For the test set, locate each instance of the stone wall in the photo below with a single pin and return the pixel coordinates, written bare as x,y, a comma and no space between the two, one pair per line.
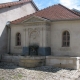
11,59
24,61
31,61
63,62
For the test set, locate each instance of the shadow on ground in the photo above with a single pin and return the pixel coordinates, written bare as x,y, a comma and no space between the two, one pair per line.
42,68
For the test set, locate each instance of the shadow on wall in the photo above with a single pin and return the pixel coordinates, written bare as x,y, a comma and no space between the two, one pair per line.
3,41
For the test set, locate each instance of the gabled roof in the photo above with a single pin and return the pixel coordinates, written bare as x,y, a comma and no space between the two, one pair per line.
35,19
9,4
55,12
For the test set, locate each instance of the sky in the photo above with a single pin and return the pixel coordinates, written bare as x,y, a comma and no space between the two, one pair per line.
41,4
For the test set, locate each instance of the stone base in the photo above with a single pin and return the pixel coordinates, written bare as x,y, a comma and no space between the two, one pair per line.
11,59
25,61
36,61
63,62
31,62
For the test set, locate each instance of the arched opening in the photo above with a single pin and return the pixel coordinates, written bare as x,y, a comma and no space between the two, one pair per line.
65,39
18,39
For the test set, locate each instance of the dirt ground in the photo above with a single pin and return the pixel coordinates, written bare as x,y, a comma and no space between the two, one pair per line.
9,71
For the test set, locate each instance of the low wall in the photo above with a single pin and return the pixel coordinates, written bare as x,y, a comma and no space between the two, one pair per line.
32,61
64,62
11,59
25,61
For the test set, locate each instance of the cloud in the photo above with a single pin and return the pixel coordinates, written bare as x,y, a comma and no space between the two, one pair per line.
71,3
40,6
4,1
45,3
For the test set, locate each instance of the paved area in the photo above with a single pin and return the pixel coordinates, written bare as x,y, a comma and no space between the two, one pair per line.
9,71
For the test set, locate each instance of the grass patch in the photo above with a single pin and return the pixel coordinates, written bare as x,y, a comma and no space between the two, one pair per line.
18,76
2,78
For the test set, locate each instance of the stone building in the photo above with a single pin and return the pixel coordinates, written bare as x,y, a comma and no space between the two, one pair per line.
9,12
51,34
55,30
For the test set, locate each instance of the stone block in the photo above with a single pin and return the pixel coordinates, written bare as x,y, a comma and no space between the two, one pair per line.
64,62
32,61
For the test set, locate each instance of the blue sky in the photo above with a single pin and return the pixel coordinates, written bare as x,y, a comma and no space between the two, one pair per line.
45,3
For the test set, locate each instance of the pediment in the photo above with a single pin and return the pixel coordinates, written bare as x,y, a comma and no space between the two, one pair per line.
34,19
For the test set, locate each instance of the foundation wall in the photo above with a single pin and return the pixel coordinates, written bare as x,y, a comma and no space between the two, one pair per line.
25,61
63,62
31,61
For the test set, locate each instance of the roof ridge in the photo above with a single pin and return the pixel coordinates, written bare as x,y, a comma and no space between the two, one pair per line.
69,10
9,4
14,2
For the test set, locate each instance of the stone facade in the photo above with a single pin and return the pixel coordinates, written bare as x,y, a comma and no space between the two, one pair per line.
57,28
32,33
48,35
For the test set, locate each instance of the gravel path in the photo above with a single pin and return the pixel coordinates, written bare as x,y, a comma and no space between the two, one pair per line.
9,71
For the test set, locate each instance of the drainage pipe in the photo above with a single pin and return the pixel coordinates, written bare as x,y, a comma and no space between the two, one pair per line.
9,37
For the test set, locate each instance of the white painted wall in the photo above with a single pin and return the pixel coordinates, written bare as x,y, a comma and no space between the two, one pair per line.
56,38
50,37
10,14
13,48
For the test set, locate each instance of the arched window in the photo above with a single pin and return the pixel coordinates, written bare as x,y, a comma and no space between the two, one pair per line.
65,39
18,39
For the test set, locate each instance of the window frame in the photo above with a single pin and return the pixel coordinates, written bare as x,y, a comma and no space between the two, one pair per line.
66,39
18,39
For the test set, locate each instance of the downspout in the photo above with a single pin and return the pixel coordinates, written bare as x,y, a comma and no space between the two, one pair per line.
9,37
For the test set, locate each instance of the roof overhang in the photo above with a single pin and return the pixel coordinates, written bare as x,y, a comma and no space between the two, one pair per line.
35,5
32,19
65,19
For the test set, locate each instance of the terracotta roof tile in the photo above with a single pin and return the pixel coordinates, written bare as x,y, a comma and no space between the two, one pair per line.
55,12
9,4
